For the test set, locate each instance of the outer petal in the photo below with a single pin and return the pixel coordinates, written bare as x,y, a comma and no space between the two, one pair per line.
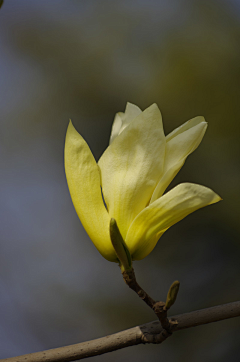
131,167
83,179
122,120
180,144
184,127
163,213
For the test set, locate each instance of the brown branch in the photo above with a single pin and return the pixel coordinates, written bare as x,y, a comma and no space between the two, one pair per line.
130,279
159,308
147,333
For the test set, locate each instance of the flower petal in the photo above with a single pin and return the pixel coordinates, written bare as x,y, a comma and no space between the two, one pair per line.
122,120
163,213
185,126
180,144
83,179
131,167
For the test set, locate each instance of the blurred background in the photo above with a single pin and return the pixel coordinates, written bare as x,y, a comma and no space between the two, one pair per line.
84,60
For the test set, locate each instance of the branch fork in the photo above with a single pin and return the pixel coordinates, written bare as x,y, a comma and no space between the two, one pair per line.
159,308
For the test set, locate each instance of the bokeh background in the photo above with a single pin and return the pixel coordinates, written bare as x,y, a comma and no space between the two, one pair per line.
84,60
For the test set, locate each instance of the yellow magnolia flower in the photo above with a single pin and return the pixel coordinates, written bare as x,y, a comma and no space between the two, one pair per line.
131,176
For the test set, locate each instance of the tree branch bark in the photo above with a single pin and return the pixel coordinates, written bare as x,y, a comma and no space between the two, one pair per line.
146,333
159,308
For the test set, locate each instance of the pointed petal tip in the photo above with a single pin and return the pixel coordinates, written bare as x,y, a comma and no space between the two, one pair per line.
216,197
132,109
154,105
70,125
201,119
130,104
71,134
134,105
153,111
205,123
197,120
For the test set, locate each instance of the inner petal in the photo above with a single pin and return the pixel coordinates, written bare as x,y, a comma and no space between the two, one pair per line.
131,167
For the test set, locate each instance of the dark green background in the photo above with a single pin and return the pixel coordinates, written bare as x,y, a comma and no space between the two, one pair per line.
84,60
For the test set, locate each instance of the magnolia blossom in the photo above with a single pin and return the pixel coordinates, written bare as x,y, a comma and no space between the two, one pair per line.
129,180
